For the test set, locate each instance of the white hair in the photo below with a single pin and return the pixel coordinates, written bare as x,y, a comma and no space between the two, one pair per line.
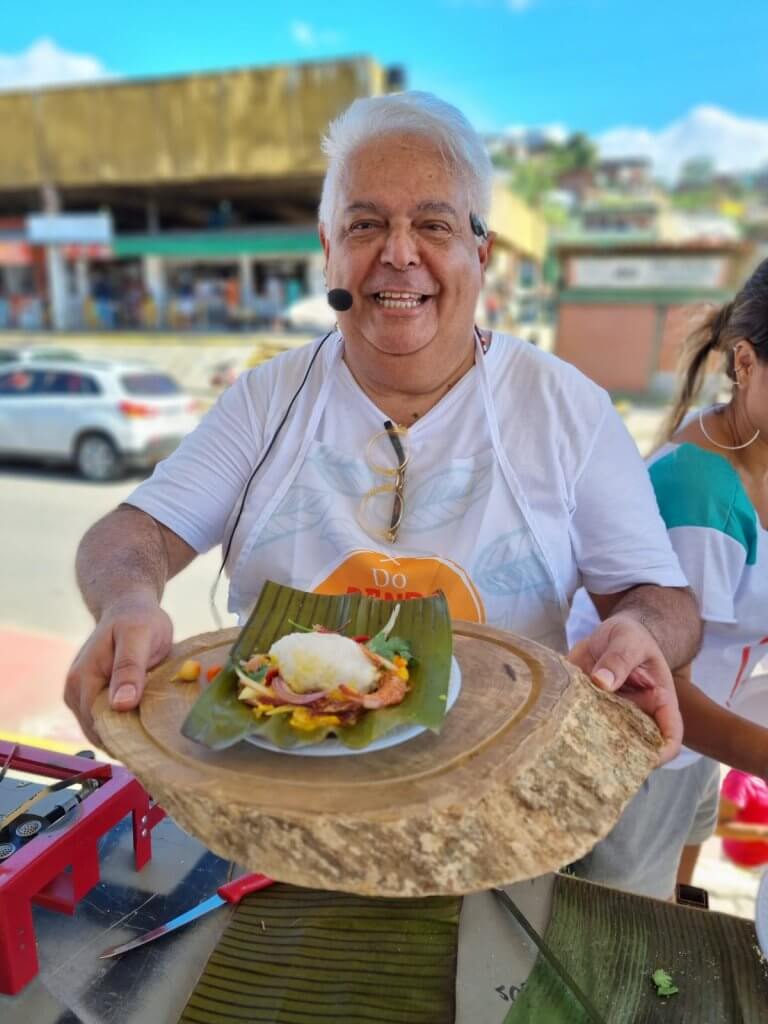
418,113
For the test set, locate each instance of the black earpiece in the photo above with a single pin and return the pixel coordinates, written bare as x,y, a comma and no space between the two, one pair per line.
479,227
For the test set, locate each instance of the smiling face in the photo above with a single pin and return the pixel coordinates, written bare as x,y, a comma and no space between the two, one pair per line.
402,244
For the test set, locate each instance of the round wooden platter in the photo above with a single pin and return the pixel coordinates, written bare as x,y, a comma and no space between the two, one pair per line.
532,767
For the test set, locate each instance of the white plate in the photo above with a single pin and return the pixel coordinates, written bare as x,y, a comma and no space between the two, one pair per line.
761,914
334,748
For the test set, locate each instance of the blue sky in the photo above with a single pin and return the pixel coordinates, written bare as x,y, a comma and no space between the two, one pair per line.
591,64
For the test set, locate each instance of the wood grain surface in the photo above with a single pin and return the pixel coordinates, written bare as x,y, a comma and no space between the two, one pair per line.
532,767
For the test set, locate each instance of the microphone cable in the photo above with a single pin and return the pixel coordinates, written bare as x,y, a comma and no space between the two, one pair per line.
281,424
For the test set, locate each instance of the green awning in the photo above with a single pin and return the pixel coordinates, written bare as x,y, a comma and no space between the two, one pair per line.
298,242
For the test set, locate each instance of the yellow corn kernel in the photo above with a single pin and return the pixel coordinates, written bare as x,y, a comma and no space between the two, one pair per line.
305,721
267,710
189,672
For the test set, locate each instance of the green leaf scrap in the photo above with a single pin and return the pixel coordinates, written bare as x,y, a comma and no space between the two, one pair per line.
663,981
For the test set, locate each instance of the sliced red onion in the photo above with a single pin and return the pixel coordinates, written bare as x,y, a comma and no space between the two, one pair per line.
285,693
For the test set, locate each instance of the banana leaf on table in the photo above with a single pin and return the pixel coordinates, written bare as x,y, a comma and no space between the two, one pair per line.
612,942
218,719
301,956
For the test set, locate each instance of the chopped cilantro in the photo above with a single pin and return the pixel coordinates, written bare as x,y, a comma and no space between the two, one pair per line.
663,981
390,647
257,676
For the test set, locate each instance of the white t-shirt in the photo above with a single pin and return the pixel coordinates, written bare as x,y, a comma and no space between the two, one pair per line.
723,551
588,498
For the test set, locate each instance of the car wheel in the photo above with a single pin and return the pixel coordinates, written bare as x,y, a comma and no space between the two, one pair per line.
97,459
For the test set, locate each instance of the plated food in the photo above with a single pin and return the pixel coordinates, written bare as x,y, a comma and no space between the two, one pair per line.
320,679
308,669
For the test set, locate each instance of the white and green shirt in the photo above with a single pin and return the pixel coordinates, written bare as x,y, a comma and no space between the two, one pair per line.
723,551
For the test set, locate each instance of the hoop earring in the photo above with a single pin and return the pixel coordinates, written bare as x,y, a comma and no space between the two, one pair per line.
727,447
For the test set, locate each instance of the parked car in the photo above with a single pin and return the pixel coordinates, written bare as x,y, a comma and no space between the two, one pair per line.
310,314
103,417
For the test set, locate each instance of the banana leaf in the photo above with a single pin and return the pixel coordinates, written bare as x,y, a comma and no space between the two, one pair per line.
218,719
299,956
612,942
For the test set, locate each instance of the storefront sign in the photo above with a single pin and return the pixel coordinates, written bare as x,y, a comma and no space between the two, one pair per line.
87,252
622,272
69,229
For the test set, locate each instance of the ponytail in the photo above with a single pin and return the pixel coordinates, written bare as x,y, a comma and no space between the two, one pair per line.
707,338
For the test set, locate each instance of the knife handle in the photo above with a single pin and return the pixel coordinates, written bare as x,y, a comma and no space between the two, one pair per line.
234,891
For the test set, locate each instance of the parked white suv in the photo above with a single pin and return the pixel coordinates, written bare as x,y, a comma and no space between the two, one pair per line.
105,417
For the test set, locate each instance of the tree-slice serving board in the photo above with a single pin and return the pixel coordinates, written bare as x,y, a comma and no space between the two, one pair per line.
533,766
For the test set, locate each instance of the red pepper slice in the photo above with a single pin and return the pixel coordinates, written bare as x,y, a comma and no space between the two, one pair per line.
362,639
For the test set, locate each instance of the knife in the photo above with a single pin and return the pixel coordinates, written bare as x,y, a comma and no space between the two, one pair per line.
565,977
232,892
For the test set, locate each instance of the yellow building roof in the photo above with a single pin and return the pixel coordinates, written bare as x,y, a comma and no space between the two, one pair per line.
253,123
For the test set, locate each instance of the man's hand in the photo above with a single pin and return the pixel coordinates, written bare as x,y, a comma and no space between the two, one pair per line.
623,657
132,635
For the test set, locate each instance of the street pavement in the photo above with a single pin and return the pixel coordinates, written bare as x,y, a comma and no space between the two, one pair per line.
43,621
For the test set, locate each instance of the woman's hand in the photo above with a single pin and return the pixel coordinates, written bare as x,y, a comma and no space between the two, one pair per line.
622,656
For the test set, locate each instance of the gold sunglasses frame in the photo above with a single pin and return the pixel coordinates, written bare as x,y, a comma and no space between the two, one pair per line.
397,486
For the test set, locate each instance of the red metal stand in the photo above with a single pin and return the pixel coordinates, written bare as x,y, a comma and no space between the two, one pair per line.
56,869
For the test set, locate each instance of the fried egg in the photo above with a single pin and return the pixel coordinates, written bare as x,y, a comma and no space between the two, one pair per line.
321,661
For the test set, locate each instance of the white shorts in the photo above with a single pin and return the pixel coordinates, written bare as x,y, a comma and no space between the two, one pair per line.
672,809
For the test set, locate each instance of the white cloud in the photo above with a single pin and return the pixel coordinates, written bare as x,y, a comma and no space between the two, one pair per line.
45,63
733,143
308,36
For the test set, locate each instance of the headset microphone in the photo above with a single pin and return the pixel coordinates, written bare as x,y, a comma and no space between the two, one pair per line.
340,299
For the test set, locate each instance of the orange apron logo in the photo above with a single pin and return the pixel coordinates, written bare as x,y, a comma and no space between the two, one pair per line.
397,579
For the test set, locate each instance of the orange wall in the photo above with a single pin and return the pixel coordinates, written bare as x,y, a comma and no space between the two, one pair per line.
614,345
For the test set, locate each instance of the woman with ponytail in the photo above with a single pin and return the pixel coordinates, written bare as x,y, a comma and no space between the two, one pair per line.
710,476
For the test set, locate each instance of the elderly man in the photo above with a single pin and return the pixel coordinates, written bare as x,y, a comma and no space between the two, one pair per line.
404,452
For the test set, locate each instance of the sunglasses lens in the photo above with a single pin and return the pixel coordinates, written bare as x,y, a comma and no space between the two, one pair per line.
383,456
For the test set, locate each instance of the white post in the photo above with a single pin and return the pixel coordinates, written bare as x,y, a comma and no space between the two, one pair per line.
153,272
246,281
82,289
316,274
57,284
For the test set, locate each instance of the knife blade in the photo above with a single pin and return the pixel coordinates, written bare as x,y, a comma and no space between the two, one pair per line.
568,980
232,892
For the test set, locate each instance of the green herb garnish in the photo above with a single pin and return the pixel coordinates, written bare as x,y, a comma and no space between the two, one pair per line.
257,676
663,981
